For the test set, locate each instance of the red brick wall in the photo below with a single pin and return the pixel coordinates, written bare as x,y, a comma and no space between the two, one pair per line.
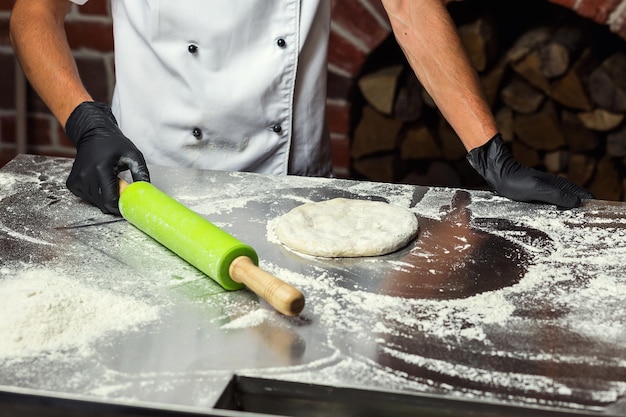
7,82
358,27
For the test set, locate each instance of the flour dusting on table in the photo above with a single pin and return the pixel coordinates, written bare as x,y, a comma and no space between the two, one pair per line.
553,336
50,312
473,320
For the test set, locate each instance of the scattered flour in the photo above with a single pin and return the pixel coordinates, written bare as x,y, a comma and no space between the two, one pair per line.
252,319
8,180
583,272
50,312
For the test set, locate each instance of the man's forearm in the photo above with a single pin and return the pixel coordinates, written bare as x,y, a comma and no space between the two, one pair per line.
39,40
428,37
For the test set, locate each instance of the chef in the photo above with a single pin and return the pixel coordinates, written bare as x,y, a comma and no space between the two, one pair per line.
240,85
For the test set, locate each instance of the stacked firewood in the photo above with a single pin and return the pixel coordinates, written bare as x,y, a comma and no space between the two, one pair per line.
559,103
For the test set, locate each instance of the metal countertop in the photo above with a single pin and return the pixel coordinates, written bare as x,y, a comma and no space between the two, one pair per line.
495,302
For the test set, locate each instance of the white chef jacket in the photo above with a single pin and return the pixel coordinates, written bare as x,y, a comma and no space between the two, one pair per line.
236,85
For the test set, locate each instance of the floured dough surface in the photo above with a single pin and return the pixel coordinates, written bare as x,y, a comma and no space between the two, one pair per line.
346,228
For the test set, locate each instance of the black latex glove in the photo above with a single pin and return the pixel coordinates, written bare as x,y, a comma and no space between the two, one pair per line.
102,152
510,179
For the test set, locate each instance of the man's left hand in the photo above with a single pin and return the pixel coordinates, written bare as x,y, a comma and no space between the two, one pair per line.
510,179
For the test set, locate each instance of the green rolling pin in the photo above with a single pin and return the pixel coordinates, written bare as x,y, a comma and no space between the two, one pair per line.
219,255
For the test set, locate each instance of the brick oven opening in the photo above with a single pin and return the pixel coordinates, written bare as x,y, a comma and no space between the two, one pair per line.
556,82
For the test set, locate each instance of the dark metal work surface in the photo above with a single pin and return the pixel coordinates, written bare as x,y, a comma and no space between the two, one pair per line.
495,303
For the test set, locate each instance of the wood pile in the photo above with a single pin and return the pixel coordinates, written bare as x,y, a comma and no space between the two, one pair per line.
559,104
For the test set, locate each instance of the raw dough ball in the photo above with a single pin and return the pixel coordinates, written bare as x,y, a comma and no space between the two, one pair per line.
346,228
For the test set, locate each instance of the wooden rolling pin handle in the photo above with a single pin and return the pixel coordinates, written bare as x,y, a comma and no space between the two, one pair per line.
280,295
123,184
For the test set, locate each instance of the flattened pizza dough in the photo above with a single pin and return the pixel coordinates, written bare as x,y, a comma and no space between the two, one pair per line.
346,228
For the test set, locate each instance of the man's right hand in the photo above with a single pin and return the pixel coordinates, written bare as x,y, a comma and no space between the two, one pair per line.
102,152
